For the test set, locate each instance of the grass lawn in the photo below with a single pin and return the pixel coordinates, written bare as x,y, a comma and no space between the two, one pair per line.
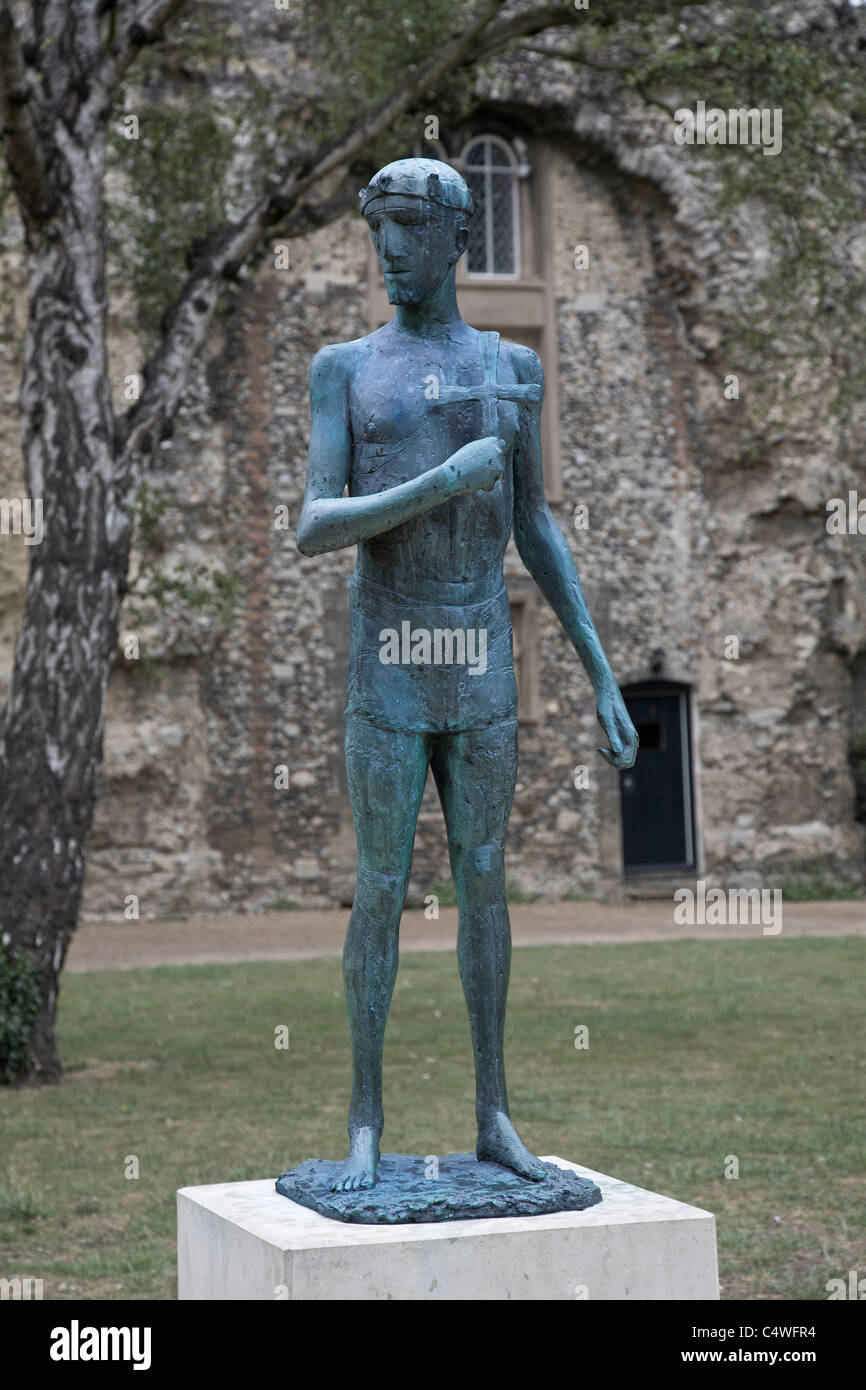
698,1051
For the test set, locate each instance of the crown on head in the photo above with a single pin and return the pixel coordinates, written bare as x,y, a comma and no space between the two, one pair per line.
420,178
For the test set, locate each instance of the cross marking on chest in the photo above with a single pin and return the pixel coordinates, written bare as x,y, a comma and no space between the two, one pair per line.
489,391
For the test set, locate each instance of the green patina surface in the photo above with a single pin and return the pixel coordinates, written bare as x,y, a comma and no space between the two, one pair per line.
426,454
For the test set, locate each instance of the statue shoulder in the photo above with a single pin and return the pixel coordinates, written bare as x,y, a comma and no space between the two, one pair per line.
525,363
333,365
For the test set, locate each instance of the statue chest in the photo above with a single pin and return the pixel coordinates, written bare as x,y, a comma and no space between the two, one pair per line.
405,420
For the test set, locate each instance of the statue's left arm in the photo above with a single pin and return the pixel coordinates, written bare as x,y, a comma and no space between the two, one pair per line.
545,552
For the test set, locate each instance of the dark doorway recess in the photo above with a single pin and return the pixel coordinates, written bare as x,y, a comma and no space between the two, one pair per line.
658,825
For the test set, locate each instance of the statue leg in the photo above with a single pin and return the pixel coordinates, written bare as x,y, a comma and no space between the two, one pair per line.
475,774
387,772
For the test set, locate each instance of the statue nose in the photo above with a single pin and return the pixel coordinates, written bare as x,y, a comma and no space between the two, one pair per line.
390,238
391,258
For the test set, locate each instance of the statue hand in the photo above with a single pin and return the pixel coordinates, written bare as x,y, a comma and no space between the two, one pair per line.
478,466
621,733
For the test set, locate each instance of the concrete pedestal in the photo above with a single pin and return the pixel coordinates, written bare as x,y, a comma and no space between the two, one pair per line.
242,1240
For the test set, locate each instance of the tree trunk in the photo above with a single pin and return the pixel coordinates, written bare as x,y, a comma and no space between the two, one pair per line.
52,725
55,98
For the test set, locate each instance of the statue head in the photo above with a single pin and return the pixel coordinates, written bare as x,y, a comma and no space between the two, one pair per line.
418,212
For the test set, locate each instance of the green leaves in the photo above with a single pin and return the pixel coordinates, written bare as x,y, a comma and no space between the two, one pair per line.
201,588
810,304
199,156
362,49
19,1006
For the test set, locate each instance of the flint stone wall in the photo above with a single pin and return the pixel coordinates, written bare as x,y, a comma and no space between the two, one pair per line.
697,531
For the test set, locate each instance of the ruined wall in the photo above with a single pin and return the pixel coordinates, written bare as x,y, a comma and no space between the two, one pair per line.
699,530
677,556
271,690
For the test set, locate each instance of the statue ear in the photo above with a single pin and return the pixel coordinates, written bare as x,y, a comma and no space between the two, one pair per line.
461,239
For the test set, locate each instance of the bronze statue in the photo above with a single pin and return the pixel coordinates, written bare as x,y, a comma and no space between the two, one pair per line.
435,430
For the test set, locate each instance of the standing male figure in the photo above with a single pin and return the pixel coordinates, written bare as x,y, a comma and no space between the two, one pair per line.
432,499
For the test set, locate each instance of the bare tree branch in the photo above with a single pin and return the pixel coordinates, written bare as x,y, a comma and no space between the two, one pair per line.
234,245
451,55
532,21
577,56
147,25
310,216
25,154
540,18
580,58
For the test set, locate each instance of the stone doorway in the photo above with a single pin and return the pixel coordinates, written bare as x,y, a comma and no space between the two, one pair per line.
658,824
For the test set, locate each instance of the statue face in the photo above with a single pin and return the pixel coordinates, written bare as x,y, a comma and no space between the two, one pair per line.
417,243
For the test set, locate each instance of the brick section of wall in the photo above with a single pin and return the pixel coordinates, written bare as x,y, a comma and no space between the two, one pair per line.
259,527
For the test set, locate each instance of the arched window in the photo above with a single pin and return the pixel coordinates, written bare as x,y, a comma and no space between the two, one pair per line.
490,168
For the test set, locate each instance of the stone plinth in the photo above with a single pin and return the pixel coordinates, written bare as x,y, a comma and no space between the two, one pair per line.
243,1240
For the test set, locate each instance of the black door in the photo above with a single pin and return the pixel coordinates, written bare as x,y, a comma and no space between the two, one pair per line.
657,818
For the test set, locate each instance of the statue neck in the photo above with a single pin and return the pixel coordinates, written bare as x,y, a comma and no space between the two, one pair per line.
435,314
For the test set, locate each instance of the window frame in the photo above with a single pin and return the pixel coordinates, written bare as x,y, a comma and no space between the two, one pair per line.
524,627
514,175
523,307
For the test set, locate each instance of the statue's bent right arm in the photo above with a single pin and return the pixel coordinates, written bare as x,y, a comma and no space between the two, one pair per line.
330,521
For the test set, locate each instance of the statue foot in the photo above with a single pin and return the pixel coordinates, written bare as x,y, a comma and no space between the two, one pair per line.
499,1142
360,1167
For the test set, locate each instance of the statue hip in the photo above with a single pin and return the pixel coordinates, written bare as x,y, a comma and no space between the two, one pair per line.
421,667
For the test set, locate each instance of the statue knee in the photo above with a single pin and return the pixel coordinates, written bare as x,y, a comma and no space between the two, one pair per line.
479,875
381,895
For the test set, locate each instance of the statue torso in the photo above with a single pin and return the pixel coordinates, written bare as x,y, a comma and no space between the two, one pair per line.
452,553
